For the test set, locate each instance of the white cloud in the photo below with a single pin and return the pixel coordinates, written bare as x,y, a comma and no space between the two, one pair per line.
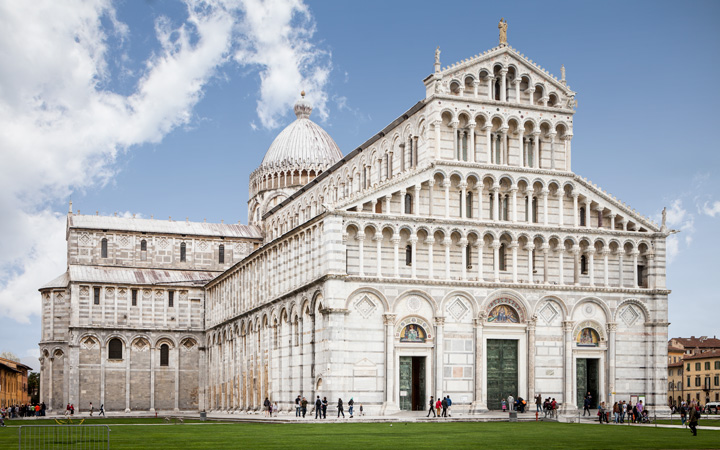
679,219
276,38
711,209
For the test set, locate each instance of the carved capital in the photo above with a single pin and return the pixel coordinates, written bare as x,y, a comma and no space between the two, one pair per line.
389,319
439,321
612,327
568,325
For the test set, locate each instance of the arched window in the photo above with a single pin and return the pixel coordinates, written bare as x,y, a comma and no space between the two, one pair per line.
469,205
460,203
408,255
221,254
530,153
497,148
492,207
115,349
468,256
582,216
143,245
497,88
583,264
505,200
408,204
103,248
183,252
502,263
464,145
164,355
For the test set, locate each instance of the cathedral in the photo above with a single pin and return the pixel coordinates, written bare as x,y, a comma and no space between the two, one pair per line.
454,253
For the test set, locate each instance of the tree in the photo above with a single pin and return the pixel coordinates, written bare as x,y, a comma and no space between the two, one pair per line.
34,387
10,355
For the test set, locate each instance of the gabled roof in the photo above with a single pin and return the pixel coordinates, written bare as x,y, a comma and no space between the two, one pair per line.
163,226
60,282
134,276
462,66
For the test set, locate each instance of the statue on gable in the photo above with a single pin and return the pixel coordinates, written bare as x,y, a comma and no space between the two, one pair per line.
437,55
572,103
503,26
439,86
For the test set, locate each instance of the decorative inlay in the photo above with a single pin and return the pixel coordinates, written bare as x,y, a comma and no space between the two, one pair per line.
84,291
508,301
629,315
147,293
548,313
141,345
458,309
122,292
365,306
203,246
89,343
413,320
84,239
109,292
163,243
413,304
588,310
124,241
188,343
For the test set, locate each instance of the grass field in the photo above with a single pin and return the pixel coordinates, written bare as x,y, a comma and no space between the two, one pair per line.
149,434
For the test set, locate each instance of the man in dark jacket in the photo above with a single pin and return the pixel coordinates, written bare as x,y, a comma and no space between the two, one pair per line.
694,417
586,405
318,408
340,408
444,406
432,407
297,406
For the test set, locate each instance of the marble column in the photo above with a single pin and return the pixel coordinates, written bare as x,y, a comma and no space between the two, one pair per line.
545,248
496,260
576,264
568,401
416,200
431,262
513,196
413,256
532,322
439,354
447,242
437,125
544,195
378,252
463,200
576,211
606,253
591,263
431,196
446,185
514,247
612,329
463,243
479,244
561,210
396,253
390,404
530,248
478,405
561,259
360,237
471,141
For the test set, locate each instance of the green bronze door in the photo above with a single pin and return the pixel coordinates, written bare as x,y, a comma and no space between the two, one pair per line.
406,383
502,371
581,378
587,376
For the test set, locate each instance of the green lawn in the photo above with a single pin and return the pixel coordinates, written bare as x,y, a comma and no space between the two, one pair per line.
365,436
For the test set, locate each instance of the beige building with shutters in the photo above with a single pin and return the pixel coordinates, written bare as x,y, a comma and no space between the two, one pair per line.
453,253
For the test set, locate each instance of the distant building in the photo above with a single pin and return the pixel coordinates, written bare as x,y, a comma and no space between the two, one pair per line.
693,370
13,383
455,252
693,345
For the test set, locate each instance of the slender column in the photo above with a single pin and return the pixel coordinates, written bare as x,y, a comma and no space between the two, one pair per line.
471,142
446,185
605,253
599,211
612,329
490,81
177,381
478,403
623,224
360,237
519,133
496,260
437,125
456,142
488,130
528,204
531,91
524,146
396,241
568,153
591,262
447,242
503,85
413,257
568,401
480,200
576,264
561,210
531,354
439,353
378,252
516,82
479,245
587,213
536,149
463,200
431,196
544,195
389,321
576,222
612,221
514,247
431,263
561,260
127,380
152,377
373,205
552,149
463,243
530,249
403,193
635,254
496,202
476,84
513,196
621,264
388,198
503,146
416,200
545,248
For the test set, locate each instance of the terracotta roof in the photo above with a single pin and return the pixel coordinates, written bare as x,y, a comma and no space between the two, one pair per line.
677,364
706,355
701,342
14,365
675,349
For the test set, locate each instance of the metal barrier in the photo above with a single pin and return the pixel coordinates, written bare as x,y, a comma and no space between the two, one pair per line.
61,437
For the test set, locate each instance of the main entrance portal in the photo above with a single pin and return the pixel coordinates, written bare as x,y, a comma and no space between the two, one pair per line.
587,381
502,371
412,383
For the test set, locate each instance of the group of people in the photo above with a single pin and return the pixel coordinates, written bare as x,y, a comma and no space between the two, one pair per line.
321,405
441,406
22,411
549,406
511,404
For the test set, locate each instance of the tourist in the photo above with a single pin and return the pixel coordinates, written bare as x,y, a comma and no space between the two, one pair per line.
102,410
297,406
361,410
623,411
91,409
635,416
303,406
553,408
683,412
640,409
630,411
318,408
324,407
694,417
449,404
351,404
340,408
601,411
538,403
511,402
504,405
444,407
432,407
438,405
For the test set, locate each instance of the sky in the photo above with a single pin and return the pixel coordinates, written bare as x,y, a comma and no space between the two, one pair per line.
162,109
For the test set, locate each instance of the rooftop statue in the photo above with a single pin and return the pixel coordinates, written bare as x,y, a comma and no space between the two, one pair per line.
502,26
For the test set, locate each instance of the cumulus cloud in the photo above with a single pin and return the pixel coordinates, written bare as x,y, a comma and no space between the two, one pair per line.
712,209
679,219
63,126
276,38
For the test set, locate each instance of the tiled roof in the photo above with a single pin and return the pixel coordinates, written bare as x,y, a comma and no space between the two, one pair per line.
163,226
701,342
59,282
705,355
132,276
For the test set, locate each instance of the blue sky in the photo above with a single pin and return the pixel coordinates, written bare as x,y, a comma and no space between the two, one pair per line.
163,108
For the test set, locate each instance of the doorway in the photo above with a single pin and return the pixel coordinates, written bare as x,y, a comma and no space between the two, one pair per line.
588,376
502,371
412,383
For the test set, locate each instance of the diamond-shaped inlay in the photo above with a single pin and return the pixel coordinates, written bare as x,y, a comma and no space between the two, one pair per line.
163,243
458,309
548,313
365,306
84,239
124,241
414,304
629,315
203,246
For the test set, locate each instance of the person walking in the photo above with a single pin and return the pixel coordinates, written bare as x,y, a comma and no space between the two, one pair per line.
303,406
102,410
438,406
432,407
538,403
586,405
275,409
324,407
340,408
361,410
267,407
297,406
694,417
449,402
318,408
351,404
444,407
601,412
91,409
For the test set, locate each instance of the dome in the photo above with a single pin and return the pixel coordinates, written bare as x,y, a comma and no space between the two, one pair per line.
302,144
